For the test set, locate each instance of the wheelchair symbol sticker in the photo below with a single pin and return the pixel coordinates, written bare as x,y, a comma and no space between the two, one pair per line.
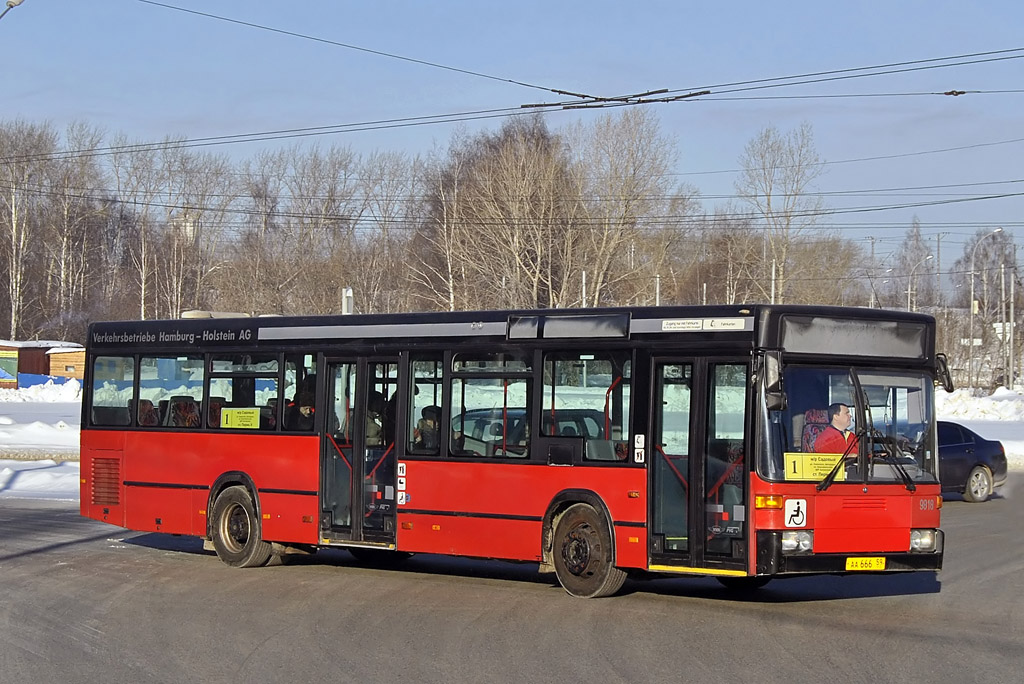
796,512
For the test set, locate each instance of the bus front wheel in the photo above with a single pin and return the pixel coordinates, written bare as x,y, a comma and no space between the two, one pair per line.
583,554
236,530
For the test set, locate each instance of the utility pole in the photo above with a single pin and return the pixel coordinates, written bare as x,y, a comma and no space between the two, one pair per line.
1013,322
970,341
1002,311
871,275
939,299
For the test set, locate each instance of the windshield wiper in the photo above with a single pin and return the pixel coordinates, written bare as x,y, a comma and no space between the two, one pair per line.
826,482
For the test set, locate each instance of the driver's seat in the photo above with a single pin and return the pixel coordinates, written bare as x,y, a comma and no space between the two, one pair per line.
815,422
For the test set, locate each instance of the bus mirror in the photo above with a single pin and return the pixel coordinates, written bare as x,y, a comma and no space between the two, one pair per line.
773,392
942,375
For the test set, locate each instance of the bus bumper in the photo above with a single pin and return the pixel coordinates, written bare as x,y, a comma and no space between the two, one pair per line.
771,560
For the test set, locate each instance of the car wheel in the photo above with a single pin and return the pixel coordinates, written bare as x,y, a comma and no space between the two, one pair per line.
979,485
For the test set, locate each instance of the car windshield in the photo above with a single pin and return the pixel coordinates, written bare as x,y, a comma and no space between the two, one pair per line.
844,424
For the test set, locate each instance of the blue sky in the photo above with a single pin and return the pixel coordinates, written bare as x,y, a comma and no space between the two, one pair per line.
148,71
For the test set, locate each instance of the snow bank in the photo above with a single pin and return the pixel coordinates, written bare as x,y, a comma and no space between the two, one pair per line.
40,480
46,393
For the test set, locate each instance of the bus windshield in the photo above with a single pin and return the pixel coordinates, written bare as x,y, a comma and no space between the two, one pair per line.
844,424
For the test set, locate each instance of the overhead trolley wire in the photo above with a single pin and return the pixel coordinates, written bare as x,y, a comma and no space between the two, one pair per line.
349,46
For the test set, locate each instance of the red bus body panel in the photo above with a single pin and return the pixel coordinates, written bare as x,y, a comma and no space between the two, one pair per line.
488,510
496,510
165,484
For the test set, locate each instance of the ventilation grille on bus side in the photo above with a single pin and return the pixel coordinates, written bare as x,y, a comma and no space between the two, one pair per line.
106,481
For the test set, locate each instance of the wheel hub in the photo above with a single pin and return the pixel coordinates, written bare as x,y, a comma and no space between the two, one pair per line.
238,526
576,550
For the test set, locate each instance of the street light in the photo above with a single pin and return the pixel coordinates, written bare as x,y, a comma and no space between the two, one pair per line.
10,4
970,341
910,282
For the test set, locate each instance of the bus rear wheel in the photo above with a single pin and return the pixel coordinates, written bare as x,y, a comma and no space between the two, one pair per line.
236,530
583,554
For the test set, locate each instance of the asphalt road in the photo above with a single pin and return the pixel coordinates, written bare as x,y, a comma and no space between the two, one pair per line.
81,601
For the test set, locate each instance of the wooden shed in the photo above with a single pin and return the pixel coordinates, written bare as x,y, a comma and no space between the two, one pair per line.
67,362
29,357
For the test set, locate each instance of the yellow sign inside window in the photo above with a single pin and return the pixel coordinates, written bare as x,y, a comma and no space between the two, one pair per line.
801,466
240,418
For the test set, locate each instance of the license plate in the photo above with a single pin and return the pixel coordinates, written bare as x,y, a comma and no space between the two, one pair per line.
865,563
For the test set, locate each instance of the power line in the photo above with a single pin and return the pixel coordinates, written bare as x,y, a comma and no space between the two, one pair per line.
459,117
858,96
712,91
348,46
718,87
899,191
650,220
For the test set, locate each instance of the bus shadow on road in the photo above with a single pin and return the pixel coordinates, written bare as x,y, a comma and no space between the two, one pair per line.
799,589
788,590
168,542
425,564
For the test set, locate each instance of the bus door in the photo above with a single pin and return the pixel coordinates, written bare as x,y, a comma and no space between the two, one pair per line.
359,450
698,486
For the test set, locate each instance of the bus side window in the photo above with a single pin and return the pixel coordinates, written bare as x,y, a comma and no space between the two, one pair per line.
424,410
588,396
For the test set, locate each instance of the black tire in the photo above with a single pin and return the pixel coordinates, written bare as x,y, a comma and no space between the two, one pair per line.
979,485
236,530
379,558
743,584
583,554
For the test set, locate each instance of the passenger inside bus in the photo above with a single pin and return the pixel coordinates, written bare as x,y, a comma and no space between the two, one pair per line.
426,435
299,414
374,419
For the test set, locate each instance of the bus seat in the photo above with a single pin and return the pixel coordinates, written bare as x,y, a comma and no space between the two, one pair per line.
148,415
183,411
600,450
815,422
215,405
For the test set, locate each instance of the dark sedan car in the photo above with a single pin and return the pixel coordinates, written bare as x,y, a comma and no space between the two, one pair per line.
969,463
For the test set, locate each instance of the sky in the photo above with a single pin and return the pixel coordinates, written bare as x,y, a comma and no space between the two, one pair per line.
44,421
146,70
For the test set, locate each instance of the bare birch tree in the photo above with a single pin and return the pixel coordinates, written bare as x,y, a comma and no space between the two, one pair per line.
435,260
630,196
25,150
73,213
137,185
777,173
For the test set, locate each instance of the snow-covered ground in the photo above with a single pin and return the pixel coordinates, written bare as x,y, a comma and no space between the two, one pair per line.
39,429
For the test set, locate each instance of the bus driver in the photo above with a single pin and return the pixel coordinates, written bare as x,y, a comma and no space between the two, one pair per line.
837,437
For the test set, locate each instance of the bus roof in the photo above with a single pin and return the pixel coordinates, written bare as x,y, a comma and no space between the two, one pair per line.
811,329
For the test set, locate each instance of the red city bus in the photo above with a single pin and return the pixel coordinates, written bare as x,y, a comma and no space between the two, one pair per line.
667,440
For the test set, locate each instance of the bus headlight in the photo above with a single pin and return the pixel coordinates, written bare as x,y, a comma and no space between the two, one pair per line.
922,540
798,541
